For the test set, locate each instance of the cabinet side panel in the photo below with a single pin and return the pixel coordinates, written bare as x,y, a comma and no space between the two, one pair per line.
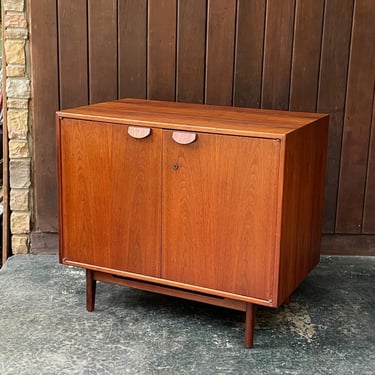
303,191
219,213
110,197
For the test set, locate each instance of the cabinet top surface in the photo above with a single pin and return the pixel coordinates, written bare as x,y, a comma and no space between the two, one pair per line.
195,117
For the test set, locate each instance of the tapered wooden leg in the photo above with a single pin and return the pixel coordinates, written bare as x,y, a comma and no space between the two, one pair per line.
90,290
249,324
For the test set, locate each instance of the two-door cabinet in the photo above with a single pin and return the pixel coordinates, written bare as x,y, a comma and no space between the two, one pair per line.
215,204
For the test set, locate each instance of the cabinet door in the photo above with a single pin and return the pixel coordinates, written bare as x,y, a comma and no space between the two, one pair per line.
110,196
219,213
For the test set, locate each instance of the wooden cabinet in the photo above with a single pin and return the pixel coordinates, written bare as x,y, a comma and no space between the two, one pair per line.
214,204
110,197
218,209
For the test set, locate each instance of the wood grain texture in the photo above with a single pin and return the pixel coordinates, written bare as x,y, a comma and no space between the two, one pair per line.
302,205
171,291
132,45
247,24
277,54
306,55
102,33
357,123
168,283
220,51
331,95
231,216
195,117
73,53
191,46
44,243
249,53
45,88
161,65
249,325
184,138
348,244
139,132
90,290
218,213
105,219
369,207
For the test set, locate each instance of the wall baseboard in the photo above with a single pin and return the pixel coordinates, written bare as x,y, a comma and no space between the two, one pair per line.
44,243
332,244
347,244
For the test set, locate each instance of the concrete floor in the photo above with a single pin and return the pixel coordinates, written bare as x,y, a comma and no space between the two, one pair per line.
44,328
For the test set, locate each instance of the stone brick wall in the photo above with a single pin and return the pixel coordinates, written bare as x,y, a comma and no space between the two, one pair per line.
18,121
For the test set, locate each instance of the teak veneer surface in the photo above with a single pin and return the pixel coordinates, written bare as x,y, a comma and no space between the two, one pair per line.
198,117
204,202
220,202
98,195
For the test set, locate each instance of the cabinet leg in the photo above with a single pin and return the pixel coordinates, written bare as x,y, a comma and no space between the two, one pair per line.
249,324
90,290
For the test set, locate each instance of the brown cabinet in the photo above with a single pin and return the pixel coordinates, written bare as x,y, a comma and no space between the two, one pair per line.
213,233
110,197
215,204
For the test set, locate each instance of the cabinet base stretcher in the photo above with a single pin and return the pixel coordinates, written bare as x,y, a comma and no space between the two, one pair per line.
247,307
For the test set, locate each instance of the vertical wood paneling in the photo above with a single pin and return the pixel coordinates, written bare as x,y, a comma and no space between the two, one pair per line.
290,54
162,49
306,55
220,51
72,24
369,207
191,44
249,53
358,115
132,24
331,96
45,87
102,50
277,54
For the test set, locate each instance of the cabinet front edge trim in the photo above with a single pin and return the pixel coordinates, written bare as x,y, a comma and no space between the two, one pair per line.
171,283
276,134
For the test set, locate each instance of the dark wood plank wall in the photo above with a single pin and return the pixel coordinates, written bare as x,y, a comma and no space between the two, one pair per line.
191,51
73,52
45,101
357,121
332,81
132,48
304,55
249,53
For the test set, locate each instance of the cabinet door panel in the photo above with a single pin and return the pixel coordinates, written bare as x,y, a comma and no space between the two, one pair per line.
110,189
219,213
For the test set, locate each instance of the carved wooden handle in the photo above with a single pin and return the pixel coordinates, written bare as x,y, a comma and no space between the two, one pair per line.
138,132
184,138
